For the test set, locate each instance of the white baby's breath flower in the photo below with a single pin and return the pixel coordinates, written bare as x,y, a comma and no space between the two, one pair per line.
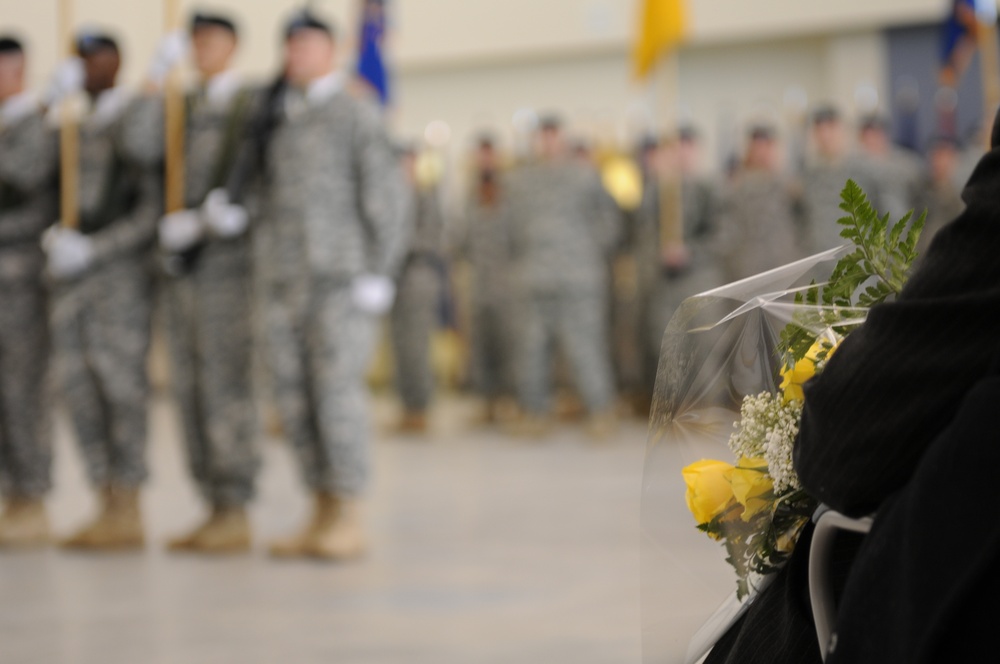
767,429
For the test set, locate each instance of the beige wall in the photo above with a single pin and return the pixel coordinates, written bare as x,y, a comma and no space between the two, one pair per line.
491,29
462,33
475,62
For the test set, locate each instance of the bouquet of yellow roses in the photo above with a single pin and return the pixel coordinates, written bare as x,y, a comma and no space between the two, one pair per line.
729,397
755,506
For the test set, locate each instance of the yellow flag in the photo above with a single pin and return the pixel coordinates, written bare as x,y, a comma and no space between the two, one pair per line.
662,24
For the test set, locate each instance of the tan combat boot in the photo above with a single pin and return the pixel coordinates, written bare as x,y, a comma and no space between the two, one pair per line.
226,531
530,425
603,425
486,415
118,526
24,523
333,533
413,422
342,537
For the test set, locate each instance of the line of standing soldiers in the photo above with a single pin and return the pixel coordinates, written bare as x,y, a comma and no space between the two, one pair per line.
295,222
759,217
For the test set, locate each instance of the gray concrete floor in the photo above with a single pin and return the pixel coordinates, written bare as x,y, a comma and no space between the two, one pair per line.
486,550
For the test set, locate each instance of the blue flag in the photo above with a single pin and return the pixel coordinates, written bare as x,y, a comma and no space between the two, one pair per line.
958,27
371,64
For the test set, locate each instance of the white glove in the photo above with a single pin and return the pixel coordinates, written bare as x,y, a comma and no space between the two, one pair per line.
14,109
224,219
172,49
67,80
373,293
180,230
69,252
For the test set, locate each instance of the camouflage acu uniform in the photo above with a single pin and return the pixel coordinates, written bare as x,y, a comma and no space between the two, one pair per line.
415,312
207,307
563,226
27,195
822,183
758,225
662,291
943,203
486,245
101,320
895,178
333,208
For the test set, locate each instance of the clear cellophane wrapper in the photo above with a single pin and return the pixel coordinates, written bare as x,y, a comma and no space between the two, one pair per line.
719,347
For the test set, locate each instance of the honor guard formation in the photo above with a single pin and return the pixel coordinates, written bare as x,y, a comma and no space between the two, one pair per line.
304,242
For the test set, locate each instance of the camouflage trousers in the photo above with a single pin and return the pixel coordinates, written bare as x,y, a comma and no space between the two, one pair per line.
490,349
208,323
101,328
317,347
25,423
414,318
576,321
659,300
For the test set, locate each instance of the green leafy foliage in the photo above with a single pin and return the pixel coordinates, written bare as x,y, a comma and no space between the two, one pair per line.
762,545
874,271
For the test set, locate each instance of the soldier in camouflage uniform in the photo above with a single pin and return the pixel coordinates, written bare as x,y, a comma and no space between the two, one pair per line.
103,294
485,244
27,165
206,294
416,310
894,170
563,226
824,178
936,191
670,274
329,239
759,228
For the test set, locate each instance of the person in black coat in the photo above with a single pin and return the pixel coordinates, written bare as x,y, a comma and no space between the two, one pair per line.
898,424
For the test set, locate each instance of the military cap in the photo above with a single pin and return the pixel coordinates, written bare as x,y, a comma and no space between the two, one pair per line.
874,122
204,20
826,113
647,143
485,141
687,133
550,122
943,140
405,148
10,44
89,43
762,132
307,20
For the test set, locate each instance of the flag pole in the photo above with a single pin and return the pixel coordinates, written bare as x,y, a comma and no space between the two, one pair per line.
69,136
989,56
670,187
174,119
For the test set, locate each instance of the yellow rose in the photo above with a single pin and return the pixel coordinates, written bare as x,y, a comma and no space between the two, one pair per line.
752,486
795,376
709,492
786,541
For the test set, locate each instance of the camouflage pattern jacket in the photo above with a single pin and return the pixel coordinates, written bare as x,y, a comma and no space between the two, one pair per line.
563,227
27,188
333,203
